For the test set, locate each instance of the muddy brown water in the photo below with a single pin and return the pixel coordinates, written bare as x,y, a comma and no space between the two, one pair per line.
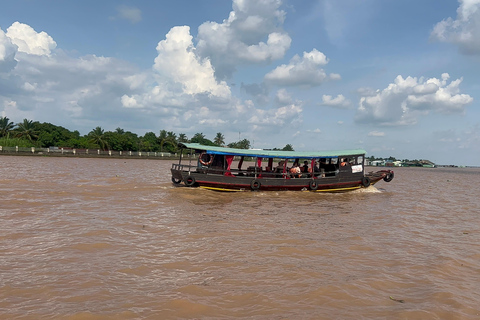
113,239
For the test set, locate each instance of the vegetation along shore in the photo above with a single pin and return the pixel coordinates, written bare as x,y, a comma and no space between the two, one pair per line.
45,139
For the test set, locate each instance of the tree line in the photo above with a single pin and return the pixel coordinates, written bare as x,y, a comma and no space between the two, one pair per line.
29,133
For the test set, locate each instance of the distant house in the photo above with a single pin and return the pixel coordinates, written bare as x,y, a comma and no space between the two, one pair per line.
389,163
376,163
427,164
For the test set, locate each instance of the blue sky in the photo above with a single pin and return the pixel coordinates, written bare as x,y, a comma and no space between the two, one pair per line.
396,78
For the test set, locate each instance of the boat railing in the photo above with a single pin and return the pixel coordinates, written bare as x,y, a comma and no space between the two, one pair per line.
249,172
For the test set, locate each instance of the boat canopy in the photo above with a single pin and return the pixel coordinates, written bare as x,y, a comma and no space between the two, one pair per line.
271,153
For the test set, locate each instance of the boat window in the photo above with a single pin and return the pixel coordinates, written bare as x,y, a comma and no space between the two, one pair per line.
334,160
360,160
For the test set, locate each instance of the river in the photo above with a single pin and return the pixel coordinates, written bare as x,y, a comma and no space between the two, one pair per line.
114,239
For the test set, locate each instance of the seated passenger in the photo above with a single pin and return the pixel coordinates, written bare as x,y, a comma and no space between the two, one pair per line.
279,168
305,166
295,172
315,168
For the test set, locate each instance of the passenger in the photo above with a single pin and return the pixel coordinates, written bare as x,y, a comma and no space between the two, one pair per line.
305,166
323,163
279,168
343,162
295,171
314,168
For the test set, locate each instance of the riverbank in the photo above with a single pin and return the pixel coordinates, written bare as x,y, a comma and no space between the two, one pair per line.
86,153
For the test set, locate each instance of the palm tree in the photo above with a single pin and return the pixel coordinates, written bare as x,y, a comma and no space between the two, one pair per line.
182,137
97,136
5,126
167,138
26,130
219,139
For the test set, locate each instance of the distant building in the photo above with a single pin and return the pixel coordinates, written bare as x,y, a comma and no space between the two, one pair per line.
376,163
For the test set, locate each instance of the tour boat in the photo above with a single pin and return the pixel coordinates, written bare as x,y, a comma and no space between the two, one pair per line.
210,167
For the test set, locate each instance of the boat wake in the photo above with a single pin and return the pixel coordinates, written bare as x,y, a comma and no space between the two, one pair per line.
370,189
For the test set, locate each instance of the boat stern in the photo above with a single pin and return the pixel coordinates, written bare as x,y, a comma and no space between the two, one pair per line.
386,175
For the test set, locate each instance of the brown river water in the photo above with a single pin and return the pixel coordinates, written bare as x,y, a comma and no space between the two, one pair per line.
113,239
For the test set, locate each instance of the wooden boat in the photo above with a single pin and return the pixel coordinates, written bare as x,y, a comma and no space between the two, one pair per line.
332,171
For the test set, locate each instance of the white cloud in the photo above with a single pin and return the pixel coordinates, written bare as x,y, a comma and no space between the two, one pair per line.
29,41
406,99
7,53
464,31
54,87
132,14
250,35
338,102
178,61
376,134
304,71
282,116
129,102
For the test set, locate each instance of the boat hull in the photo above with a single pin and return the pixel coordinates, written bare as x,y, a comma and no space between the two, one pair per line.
220,182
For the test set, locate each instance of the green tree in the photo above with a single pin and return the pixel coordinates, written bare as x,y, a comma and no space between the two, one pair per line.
97,136
26,130
182,137
5,126
200,138
219,139
149,142
242,144
288,147
52,135
167,138
121,140
78,143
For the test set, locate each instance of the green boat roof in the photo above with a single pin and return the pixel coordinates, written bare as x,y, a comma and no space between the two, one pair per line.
272,153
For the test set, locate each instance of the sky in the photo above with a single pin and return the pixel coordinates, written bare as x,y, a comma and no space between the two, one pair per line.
396,78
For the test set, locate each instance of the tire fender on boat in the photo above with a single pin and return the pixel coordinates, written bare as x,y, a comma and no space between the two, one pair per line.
176,181
313,184
366,182
388,177
255,185
189,181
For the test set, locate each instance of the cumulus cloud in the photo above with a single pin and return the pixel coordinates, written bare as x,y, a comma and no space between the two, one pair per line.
405,99
251,34
302,71
7,53
177,60
29,41
336,102
180,92
51,86
464,31
287,114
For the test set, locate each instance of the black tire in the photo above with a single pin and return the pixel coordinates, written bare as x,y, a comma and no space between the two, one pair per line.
189,181
176,181
366,182
388,177
255,185
313,184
